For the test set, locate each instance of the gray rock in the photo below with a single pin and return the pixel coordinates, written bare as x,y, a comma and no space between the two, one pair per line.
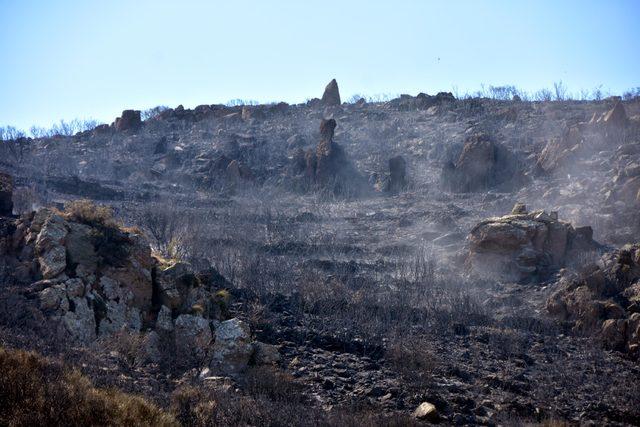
232,348
331,95
164,322
54,298
80,248
75,288
193,339
265,354
427,412
80,323
52,255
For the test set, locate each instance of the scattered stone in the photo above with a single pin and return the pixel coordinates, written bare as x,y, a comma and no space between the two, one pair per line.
426,412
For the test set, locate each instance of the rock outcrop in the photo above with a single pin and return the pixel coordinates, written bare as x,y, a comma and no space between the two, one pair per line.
90,278
130,120
328,167
526,246
331,95
604,300
482,164
560,152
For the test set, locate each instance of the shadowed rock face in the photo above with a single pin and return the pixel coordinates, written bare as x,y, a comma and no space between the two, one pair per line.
6,194
397,174
331,95
526,246
130,120
483,164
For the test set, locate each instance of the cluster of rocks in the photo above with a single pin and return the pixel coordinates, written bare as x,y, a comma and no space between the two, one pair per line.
422,101
604,299
328,167
582,139
526,246
482,164
92,279
625,185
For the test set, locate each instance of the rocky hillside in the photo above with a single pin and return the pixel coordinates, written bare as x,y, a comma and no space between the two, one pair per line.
425,259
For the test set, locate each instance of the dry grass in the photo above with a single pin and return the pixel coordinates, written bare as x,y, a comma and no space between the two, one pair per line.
87,212
37,391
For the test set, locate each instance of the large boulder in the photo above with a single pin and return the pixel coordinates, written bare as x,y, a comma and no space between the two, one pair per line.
482,164
331,95
525,246
6,194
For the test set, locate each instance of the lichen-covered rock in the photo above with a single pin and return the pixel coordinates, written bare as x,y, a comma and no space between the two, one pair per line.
232,348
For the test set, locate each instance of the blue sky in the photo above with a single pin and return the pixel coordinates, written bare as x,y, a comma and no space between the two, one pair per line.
71,58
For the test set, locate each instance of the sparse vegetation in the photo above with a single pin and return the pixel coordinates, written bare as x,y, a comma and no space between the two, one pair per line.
38,391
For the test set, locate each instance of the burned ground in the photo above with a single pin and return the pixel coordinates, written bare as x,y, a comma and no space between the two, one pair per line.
367,294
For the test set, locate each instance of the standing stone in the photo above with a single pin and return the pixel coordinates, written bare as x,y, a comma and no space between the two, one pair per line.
331,94
397,174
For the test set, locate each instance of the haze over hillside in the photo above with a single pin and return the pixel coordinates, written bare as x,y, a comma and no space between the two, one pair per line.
452,257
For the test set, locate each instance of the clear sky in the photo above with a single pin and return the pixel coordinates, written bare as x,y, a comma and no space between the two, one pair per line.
83,58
